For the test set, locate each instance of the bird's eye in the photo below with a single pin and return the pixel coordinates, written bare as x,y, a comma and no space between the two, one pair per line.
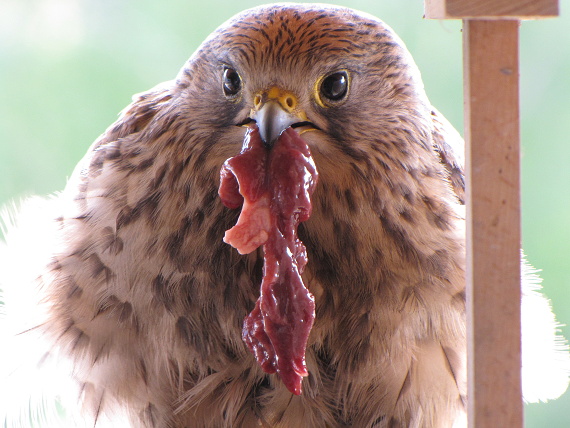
231,82
334,87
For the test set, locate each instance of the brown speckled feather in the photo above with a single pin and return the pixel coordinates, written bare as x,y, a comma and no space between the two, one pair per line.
149,301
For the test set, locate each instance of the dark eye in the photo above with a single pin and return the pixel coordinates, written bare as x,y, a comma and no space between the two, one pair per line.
231,82
335,86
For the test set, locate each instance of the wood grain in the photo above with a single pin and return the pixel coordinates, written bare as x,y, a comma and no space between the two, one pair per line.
491,9
493,222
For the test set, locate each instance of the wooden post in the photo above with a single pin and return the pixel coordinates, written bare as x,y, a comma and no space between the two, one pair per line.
491,79
493,223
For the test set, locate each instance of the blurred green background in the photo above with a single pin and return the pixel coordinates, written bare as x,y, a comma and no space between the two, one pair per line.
67,67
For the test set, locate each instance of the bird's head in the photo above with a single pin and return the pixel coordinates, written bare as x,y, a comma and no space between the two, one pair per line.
342,74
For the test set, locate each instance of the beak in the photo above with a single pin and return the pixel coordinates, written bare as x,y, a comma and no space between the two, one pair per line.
274,111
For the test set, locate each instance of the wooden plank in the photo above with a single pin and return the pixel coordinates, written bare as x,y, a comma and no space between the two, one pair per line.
493,223
491,9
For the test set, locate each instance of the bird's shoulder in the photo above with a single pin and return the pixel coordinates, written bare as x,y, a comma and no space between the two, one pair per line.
450,147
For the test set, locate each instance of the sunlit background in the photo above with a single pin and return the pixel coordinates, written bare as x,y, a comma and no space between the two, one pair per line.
67,67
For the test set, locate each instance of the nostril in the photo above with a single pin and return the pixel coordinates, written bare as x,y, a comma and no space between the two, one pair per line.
257,101
290,102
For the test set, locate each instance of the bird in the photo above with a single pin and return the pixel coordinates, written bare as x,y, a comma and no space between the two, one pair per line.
146,302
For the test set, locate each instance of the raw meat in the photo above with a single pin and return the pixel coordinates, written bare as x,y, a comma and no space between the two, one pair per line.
274,188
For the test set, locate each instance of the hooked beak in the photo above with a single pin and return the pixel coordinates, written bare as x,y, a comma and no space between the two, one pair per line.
274,111
272,120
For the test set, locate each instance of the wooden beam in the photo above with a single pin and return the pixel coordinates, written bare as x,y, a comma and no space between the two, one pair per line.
493,223
491,9
491,86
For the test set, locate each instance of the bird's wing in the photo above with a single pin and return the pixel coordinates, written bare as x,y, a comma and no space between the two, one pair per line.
36,388
450,147
27,237
138,114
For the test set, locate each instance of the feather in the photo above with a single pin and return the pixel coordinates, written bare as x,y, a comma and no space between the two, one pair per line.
545,357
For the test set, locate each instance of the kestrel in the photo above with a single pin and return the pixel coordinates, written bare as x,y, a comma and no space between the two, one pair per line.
148,302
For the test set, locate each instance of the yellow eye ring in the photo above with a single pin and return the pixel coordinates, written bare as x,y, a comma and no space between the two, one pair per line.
332,89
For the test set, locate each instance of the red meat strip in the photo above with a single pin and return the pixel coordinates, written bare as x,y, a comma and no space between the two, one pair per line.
274,187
